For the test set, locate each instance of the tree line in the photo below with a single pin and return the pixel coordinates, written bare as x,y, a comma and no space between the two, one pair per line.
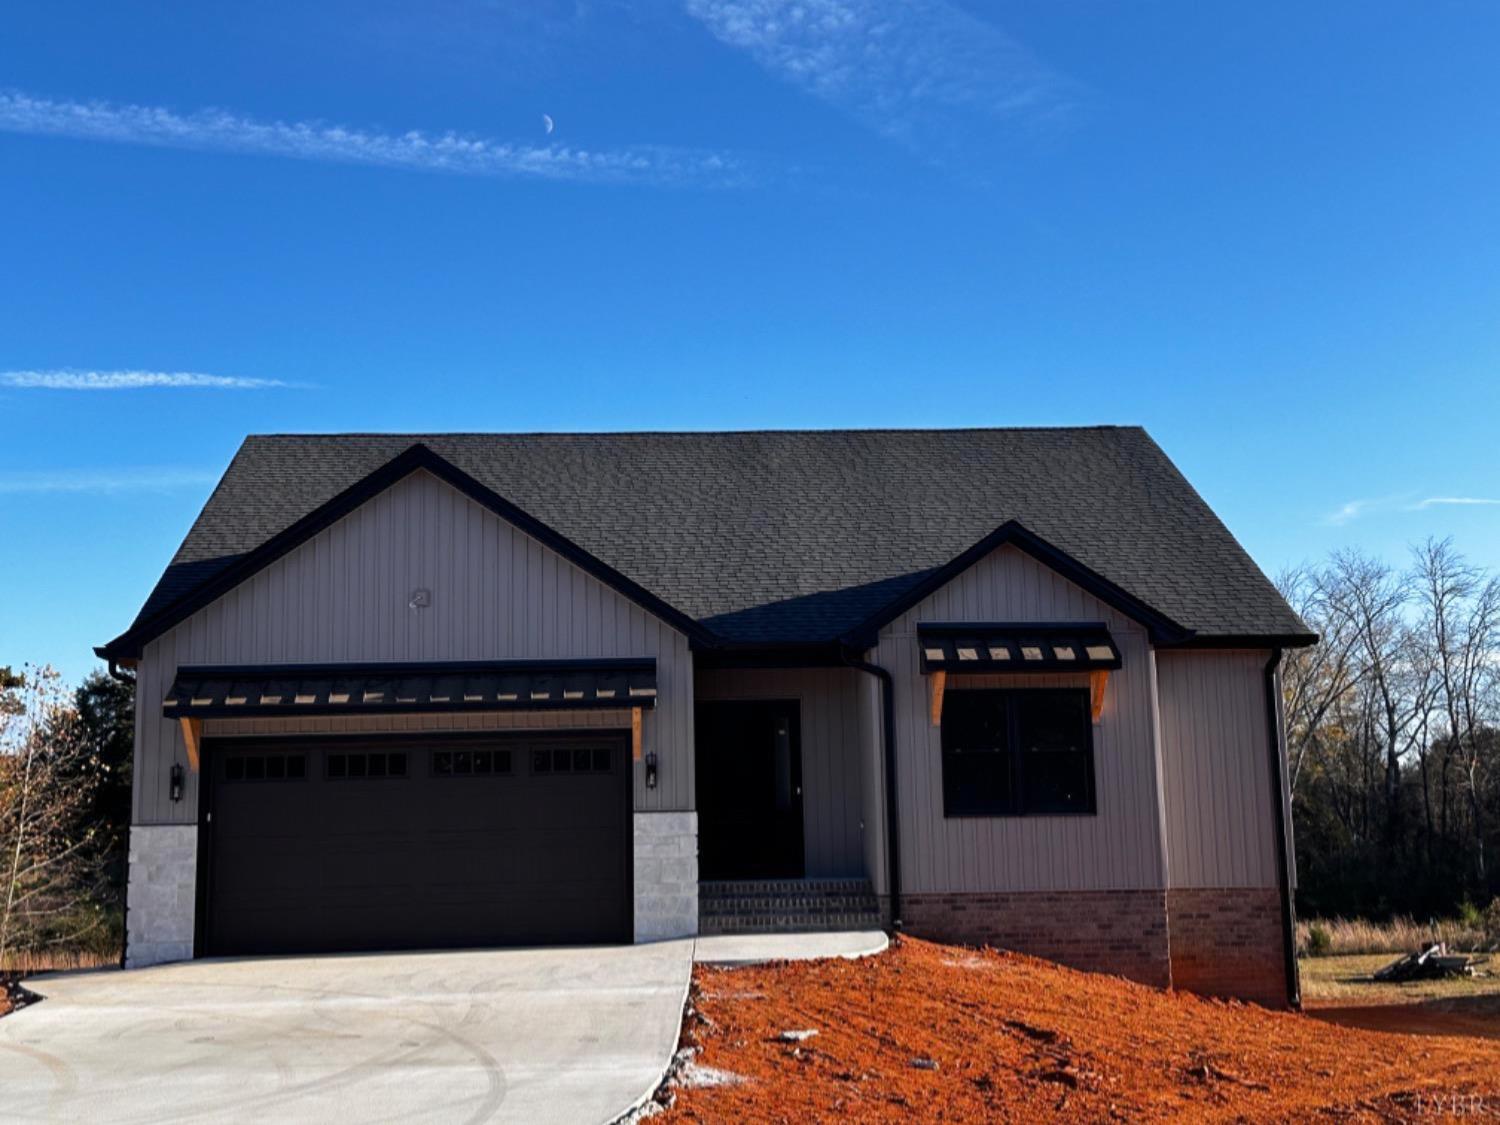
1393,734
65,758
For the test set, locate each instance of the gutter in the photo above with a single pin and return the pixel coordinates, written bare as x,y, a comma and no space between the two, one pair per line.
888,745
124,677
1283,834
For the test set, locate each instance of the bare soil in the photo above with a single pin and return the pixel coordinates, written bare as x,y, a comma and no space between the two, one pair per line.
944,1033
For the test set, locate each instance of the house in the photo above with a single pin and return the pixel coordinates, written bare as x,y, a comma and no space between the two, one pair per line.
1015,686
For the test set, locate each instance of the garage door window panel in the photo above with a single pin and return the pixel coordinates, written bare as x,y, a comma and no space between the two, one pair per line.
471,763
373,765
575,760
265,767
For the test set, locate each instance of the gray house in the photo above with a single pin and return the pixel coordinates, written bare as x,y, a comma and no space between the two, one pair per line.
1005,686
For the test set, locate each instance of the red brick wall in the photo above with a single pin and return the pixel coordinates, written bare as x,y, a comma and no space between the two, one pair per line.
1123,932
1228,942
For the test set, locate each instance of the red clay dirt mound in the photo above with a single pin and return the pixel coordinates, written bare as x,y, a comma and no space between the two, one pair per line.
930,1032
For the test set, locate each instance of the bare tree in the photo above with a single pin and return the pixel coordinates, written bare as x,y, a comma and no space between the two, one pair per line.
1317,678
1394,732
46,874
1376,598
1461,627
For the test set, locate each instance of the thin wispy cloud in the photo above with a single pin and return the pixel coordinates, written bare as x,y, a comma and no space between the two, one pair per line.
213,130
1350,511
1459,501
159,479
1357,509
922,72
68,380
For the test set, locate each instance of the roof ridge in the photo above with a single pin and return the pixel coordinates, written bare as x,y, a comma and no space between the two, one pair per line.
419,434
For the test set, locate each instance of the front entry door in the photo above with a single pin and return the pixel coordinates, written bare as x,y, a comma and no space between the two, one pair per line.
749,767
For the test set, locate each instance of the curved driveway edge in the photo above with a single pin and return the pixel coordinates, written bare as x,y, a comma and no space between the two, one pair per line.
576,1035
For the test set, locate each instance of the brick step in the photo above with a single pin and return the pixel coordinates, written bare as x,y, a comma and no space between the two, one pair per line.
786,906
787,924
741,887
844,904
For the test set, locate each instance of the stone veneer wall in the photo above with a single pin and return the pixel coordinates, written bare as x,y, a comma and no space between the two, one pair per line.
1122,932
666,875
1227,941
162,893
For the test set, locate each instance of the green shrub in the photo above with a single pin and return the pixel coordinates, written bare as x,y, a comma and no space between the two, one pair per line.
1470,915
1319,941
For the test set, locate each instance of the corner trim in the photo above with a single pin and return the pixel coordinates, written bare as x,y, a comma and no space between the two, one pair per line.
1283,823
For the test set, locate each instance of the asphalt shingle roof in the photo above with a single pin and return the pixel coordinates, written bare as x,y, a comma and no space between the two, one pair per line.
788,536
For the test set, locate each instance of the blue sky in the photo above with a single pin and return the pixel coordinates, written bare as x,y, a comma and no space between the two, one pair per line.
1266,232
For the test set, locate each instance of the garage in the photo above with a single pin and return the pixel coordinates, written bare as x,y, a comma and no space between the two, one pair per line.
337,844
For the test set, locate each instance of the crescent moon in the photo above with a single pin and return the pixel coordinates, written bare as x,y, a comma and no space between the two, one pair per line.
547,123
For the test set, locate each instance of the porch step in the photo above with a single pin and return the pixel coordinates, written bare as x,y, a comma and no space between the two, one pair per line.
786,906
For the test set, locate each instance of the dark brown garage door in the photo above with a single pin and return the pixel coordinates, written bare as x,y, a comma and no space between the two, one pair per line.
317,846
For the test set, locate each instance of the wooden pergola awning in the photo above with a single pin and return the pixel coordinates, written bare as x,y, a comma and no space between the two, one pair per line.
1023,647
1006,647
280,690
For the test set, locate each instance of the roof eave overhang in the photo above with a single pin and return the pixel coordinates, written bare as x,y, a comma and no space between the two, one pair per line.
1161,629
770,654
418,456
1248,640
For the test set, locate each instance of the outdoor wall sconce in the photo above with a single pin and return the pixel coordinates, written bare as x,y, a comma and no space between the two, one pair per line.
651,770
175,785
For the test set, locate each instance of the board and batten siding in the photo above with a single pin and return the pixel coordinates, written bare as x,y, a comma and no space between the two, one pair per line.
832,817
1123,846
342,596
1221,823
872,781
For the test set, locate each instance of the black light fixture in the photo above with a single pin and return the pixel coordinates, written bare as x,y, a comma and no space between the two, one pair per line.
651,770
176,782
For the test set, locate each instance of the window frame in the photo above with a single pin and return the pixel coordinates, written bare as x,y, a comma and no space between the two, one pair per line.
1015,757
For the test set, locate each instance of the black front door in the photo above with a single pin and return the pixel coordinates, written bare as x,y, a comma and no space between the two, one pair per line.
749,766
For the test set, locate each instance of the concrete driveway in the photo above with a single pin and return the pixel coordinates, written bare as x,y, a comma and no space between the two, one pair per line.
533,1035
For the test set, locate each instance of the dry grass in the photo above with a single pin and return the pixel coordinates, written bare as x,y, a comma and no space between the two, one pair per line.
1346,980
1399,935
50,960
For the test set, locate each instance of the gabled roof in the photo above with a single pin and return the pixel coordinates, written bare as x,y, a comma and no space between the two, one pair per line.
775,537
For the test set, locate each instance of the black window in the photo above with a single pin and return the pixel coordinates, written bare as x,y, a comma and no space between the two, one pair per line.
375,764
1014,752
265,767
470,763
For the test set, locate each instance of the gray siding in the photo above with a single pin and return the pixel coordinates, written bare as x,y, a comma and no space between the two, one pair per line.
872,780
1221,824
1120,848
832,827
342,596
